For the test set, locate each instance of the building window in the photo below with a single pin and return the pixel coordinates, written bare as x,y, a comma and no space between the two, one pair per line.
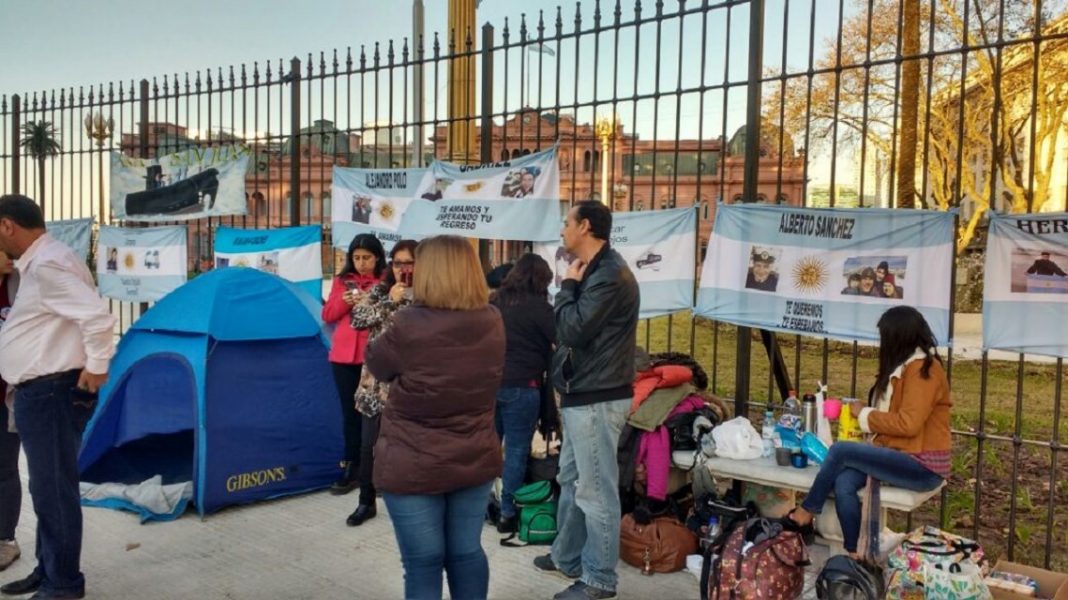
586,161
308,205
504,155
515,154
737,199
328,204
782,199
259,203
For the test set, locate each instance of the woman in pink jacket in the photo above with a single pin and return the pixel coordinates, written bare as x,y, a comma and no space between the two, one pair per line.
364,265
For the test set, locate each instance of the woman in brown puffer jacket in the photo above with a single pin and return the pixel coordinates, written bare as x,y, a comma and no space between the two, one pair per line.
437,451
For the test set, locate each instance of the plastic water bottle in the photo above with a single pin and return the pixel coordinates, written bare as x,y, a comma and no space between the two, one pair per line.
713,530
767,434
791,413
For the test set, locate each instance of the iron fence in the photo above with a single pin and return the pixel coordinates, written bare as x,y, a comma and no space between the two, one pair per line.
936,103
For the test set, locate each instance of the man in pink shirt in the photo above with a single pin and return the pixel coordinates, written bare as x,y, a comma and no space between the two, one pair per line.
55,347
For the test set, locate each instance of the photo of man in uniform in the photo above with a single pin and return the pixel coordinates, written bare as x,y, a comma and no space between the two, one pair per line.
761,276
1044,266
361,209
440,185
520,183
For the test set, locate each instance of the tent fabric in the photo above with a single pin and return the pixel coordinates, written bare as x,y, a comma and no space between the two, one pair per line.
224,383
244,305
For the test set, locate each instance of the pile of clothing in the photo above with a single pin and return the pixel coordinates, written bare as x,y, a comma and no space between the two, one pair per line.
671,409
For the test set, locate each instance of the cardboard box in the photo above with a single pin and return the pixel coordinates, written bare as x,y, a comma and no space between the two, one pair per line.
1050,584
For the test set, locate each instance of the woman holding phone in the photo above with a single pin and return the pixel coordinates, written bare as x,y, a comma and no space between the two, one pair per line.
374,315
364,265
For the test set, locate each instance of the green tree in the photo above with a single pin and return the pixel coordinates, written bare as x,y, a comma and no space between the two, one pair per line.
981,128
40,140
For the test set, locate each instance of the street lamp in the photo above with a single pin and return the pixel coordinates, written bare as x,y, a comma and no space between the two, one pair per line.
605,128
99,129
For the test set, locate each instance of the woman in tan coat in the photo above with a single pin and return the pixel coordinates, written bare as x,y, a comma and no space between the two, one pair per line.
909,421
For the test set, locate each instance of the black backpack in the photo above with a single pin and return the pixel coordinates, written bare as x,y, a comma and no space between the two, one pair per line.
843,578
681,430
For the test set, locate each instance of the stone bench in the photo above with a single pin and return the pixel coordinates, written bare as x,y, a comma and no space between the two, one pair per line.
765,471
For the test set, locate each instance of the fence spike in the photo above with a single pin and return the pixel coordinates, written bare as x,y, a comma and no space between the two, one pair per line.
335,61
389,53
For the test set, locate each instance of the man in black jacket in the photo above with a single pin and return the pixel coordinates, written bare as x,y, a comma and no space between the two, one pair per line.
593,369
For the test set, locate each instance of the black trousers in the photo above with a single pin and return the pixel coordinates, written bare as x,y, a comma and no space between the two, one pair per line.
367,458
347,378
10,485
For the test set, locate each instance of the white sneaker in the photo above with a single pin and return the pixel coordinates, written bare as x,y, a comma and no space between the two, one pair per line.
9,553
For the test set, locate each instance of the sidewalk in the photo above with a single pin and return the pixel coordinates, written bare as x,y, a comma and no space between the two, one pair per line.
296,547
292,548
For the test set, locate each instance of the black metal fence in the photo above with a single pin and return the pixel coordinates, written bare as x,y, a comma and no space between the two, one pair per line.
935,103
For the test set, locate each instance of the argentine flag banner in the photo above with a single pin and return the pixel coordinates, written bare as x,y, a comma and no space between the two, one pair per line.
516,199
141,265
292,253
827,272
659,246
1025,284
372,201
75,233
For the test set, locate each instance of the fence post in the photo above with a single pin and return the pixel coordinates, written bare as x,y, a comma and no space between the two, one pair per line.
749,183
16,127
486,125
294,142
142,139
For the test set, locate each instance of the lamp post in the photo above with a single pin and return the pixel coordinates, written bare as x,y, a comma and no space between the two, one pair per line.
99,129
605,129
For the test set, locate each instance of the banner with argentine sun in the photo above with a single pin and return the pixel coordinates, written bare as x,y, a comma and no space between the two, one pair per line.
660,249
292,253
827,272
515,199
192,184
141,265
372,201
75,233
1025,284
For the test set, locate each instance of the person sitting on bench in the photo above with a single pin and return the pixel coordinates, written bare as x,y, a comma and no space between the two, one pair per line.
910,422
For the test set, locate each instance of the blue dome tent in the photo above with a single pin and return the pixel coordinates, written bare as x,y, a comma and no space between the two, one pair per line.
224,383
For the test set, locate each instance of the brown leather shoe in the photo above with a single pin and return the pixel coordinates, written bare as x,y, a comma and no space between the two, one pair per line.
9,553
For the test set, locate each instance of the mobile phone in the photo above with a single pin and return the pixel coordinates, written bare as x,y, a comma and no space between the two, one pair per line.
406,278
349,285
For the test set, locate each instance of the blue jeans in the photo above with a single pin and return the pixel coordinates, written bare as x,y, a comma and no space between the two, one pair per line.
846,471
51,416
438,532
589,513
516,418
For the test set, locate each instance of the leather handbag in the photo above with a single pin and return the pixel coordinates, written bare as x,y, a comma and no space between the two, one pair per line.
659,547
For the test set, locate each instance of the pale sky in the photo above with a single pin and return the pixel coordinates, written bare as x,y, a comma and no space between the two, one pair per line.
53,44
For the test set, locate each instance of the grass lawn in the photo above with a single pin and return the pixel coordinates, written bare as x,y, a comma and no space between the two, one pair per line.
1020,479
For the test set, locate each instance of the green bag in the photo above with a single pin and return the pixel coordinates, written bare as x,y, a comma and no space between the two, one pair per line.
537,523
533,493
537,515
